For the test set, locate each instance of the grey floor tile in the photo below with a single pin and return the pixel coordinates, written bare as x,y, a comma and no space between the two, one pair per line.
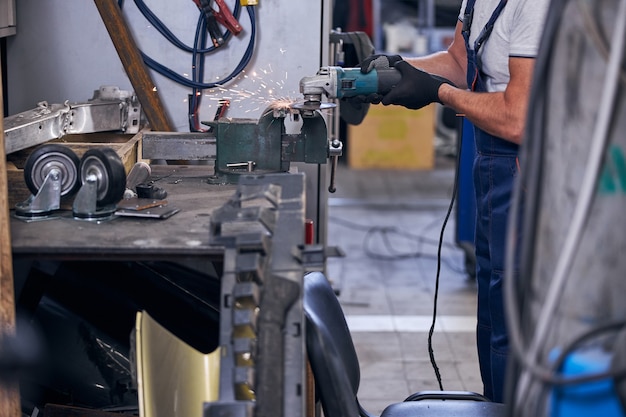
421,370
364,301
415,347
390,390
410,300
463,345
469,375
428,383
382,370
377,347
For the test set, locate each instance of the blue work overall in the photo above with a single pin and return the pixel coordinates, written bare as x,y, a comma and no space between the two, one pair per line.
494,170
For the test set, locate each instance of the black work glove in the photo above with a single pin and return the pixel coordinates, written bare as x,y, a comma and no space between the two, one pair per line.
379,61
416,89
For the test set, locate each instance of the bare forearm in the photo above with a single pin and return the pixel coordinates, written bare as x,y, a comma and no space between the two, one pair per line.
491,112
503,114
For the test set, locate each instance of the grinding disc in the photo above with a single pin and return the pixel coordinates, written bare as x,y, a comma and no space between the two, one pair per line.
313,105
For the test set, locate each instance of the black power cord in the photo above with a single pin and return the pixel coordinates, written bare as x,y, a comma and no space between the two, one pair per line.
384,231
431,352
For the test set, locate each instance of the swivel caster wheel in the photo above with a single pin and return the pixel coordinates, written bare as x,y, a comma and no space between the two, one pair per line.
103,181
50,173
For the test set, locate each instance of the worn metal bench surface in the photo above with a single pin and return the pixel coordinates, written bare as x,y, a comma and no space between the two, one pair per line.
186,233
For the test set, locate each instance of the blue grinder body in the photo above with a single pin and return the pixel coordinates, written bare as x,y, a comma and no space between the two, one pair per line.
351,82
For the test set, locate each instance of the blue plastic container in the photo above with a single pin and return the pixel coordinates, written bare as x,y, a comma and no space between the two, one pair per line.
596,399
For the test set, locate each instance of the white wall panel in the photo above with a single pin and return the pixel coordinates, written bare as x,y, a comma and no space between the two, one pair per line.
63,52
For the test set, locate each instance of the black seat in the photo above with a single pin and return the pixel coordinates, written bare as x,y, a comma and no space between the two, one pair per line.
335,367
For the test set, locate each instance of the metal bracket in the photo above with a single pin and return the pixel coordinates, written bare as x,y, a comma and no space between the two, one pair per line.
110,109
335,150
85,204
48,198
313,257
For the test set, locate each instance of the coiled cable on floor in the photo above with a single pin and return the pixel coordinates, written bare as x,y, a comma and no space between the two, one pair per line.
384,233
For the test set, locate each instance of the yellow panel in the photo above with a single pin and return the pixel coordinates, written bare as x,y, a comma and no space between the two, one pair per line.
393,137
174,380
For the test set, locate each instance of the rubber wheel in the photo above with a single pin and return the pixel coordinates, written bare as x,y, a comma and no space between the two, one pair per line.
52,156
108,167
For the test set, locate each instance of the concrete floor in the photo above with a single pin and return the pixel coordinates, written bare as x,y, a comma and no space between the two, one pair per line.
388,224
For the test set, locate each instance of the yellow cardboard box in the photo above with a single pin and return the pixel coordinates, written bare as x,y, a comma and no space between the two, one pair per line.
393,137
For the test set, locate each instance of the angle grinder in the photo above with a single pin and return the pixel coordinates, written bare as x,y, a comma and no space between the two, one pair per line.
338,82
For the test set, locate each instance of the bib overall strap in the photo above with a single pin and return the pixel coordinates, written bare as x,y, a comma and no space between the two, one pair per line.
486,32
468,16
473,59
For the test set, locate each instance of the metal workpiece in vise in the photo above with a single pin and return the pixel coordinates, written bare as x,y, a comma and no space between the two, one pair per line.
245,146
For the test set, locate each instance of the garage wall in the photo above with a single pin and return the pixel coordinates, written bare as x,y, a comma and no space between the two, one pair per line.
62,51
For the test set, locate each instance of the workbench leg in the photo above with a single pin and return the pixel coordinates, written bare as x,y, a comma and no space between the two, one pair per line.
9,391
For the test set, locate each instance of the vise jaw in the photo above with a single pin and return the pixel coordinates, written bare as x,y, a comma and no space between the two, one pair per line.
245,146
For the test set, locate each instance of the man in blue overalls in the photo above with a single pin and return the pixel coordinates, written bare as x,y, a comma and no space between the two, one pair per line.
485,74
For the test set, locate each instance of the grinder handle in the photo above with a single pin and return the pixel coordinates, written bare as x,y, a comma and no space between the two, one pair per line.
387,79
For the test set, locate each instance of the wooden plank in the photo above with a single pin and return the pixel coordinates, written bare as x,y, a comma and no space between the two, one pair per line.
9,391
129,151
310,404
17,189
136,70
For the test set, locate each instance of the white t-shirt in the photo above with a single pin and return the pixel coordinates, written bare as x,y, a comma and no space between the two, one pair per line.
516,33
